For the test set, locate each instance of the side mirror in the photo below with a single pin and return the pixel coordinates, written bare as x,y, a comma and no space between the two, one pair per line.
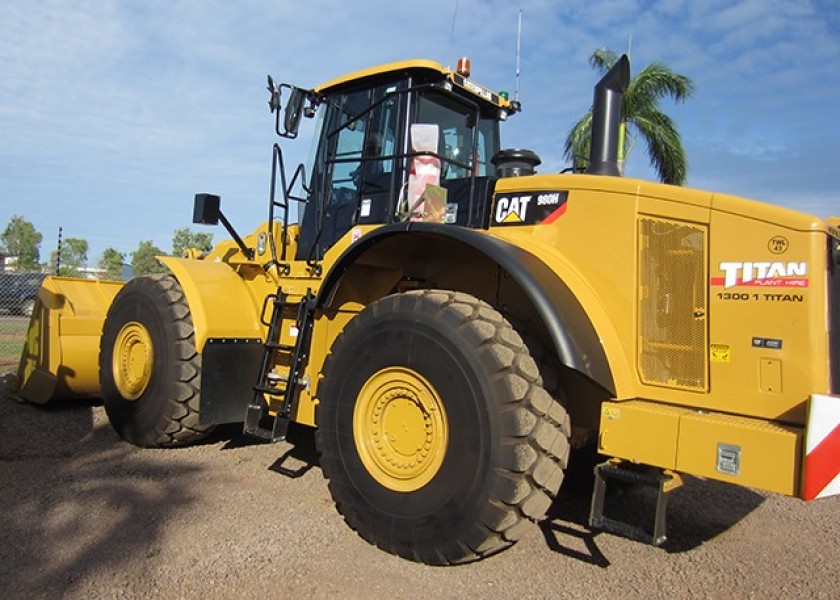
206,209
294,111
274,95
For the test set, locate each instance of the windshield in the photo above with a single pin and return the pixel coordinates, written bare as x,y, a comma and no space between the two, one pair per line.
465,149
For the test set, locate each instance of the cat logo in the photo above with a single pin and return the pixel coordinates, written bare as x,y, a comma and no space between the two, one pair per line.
531,207
512,209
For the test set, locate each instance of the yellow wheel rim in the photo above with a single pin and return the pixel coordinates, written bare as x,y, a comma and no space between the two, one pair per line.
400,429
132,360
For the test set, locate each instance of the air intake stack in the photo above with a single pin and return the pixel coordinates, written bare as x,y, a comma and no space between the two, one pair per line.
607,107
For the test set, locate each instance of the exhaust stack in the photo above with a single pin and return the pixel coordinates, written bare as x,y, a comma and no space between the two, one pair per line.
607,107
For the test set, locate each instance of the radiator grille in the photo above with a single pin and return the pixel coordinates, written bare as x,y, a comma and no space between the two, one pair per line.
672,304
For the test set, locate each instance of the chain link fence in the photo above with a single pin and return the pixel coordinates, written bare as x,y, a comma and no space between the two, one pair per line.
18,290
17,298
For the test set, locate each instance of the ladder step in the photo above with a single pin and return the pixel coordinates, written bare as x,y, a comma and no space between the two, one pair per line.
276,346
658,480
267,389
271,429
276,390
281,304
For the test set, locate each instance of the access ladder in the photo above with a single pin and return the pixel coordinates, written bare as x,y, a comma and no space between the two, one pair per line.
263,420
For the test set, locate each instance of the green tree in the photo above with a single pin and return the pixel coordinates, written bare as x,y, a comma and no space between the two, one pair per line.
23,241
643,117
73,256
143,261
183,238
112,263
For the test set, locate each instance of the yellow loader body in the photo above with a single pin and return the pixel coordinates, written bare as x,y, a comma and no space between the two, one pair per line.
60,359
451,356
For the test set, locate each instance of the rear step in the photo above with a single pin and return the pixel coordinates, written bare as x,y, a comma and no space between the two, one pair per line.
663,481
259,422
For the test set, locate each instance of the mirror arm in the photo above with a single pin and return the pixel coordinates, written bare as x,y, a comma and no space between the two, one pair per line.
248,252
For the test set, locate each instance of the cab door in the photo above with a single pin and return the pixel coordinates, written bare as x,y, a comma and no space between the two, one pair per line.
357,173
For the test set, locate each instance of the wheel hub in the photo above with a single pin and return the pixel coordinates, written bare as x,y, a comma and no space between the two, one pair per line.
400,429
132,360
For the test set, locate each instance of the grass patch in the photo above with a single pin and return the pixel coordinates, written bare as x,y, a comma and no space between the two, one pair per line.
12,335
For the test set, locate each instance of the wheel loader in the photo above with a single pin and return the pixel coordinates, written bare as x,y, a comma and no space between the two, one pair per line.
452,322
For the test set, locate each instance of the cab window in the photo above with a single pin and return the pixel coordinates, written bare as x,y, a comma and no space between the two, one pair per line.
350,127
465,146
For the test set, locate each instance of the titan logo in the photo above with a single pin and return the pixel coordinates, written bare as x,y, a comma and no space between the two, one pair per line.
513,209
791,274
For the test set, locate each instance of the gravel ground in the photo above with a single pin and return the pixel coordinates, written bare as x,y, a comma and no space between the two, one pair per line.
86,515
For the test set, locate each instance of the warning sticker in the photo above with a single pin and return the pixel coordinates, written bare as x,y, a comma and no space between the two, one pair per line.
612,413
720,353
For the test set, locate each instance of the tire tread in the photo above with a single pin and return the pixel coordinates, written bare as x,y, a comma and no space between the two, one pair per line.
535,428
178,424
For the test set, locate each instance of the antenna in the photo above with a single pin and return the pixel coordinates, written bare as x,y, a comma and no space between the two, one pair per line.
454,18
518,52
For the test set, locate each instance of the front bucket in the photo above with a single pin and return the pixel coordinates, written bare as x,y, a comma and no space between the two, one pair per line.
60,359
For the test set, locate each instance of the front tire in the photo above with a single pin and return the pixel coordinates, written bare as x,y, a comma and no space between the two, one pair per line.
437,438
28,307
149,369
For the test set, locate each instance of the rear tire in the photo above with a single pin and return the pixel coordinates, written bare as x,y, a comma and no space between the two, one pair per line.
436,436
149,369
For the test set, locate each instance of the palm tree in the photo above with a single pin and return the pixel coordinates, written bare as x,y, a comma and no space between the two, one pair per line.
644,118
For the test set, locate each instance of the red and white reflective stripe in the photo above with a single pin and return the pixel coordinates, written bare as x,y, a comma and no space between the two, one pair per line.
822,448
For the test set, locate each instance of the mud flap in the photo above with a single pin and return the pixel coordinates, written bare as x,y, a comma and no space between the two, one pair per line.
229,370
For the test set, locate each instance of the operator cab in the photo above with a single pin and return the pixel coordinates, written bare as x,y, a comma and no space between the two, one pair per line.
409,141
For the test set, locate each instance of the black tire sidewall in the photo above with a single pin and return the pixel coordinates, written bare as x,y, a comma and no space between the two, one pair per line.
141,421
28,307
405,336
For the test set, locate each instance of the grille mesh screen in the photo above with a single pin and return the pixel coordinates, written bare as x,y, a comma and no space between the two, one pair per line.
672,304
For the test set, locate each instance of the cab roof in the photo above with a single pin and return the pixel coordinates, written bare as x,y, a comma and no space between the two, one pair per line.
425,69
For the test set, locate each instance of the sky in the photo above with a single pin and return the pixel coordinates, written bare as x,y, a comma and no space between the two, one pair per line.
113,114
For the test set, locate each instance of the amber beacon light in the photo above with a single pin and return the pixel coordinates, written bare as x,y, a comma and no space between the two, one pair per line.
463,67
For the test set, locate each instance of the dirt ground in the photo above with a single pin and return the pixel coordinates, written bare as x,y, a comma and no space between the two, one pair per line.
86,515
